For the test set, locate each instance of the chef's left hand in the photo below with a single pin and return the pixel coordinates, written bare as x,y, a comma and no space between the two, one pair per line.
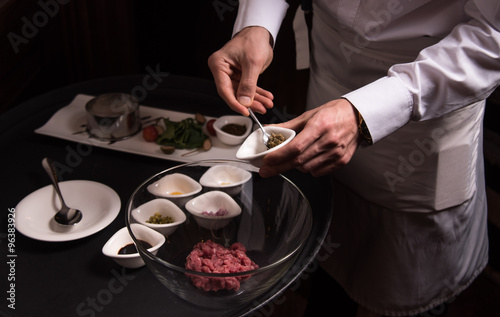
326,139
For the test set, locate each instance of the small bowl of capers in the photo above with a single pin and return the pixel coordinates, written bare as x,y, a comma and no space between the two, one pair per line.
160,214
253,149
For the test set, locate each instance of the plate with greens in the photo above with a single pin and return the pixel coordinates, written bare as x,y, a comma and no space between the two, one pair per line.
179,136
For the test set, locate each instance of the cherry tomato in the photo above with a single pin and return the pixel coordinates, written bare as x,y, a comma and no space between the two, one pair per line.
150,133
210,127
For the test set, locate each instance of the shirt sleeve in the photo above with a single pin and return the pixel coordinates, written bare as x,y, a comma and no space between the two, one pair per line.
464,67
265,13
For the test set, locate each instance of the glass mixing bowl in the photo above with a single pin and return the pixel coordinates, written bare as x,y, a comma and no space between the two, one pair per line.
274,224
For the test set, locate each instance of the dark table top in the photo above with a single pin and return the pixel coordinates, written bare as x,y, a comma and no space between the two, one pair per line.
73,278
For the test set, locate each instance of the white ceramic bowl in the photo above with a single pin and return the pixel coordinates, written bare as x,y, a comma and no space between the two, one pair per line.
122,238
166,208
254,149
213,201
227,178
177,187
231,139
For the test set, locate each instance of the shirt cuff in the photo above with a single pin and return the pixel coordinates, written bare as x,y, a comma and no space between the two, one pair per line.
265,13
385,104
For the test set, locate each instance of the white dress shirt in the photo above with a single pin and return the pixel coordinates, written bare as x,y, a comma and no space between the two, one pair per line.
462,68
411,214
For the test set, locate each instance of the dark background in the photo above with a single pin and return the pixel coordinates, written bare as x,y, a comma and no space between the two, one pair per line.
60,42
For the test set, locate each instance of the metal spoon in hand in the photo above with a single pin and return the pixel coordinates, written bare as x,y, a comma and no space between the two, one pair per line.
66,215
265,135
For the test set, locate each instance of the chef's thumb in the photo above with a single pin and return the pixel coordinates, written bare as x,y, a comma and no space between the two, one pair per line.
247,86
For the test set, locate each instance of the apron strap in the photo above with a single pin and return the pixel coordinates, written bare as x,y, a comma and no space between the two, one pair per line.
302,24
306,5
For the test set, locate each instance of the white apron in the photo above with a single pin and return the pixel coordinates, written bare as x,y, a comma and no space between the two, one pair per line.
410,211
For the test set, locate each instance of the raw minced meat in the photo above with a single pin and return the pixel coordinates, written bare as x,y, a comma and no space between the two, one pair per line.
210,257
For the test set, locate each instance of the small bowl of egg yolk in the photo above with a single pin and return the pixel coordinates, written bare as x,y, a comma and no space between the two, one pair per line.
178,188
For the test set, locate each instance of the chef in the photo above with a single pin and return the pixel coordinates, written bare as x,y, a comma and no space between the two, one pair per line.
395,106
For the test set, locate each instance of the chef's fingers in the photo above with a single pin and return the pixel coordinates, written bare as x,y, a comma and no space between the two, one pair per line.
225,76
288,157
248,83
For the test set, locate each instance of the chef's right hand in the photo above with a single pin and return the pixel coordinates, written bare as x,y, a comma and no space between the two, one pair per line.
236,68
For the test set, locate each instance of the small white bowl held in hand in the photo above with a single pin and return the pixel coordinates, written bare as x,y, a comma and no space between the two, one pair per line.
254,149
165,208
231,139
176,187
226,178
122,238
212,202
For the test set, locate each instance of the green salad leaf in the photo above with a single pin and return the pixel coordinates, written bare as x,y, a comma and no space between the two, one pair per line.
186,134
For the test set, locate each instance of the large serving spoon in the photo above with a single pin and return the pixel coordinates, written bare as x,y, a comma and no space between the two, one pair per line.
66,215
265,135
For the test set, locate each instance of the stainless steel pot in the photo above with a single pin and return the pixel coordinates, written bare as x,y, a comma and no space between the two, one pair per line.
113,116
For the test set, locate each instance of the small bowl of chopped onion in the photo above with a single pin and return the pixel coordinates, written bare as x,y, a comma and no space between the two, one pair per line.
254,149
160,214
232,130
213,210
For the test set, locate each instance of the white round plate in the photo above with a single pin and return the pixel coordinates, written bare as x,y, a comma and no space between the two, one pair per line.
98,203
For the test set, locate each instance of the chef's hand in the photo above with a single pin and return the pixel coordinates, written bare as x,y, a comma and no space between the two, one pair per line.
236,68
326,140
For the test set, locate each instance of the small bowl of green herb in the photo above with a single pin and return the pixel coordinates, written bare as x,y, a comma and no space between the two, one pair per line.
233,130
161,215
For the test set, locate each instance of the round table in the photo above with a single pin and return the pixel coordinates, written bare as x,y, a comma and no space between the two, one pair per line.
74,278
